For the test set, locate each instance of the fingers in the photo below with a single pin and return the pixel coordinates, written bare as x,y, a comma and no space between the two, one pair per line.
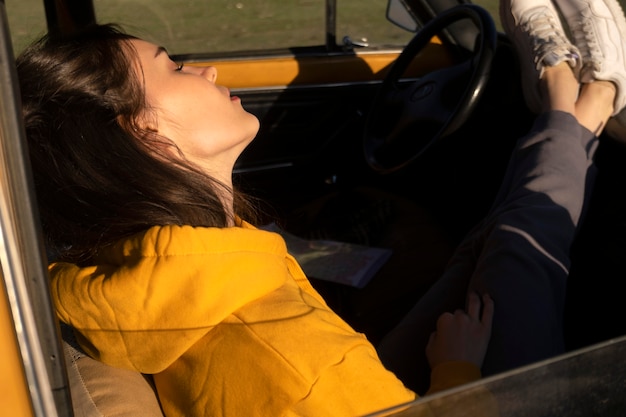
479,310
445,318
476,304
463,335
473,306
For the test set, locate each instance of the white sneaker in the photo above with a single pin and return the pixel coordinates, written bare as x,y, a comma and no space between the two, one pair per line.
598,28
535,29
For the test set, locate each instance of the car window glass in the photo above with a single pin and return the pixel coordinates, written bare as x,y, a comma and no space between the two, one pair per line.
191,26
199,26
27,22
586,382
492,7
365,23
215,26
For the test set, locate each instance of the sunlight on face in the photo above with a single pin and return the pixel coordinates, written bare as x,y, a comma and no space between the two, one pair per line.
209,126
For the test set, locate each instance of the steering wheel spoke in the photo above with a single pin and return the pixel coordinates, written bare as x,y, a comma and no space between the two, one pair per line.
409,117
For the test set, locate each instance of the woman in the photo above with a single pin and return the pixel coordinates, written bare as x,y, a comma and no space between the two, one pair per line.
155,266
132,156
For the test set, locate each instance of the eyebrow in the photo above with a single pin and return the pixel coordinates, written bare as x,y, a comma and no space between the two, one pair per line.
160,50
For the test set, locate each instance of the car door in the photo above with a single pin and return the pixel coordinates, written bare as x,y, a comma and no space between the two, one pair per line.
34,381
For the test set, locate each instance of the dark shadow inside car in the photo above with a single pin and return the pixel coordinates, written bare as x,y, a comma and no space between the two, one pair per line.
421,211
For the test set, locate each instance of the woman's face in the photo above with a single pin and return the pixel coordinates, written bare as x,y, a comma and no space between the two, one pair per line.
210,127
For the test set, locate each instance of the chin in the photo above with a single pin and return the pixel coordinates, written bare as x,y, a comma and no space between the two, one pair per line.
256,126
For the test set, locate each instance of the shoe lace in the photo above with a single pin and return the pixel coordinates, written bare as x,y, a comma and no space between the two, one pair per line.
548,42
587,43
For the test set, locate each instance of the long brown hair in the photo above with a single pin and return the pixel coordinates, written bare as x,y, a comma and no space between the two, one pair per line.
98,176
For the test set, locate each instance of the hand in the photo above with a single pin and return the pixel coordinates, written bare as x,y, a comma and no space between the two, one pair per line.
462,336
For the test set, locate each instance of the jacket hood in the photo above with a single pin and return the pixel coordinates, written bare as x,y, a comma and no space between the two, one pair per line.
184,280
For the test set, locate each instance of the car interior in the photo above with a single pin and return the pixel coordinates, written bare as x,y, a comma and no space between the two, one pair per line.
346,154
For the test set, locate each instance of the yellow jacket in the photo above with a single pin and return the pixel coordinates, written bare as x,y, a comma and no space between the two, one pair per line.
228,324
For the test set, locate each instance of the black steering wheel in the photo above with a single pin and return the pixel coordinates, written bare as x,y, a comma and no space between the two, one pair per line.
406,118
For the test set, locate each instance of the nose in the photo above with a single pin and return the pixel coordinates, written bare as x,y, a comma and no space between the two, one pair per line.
210,73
